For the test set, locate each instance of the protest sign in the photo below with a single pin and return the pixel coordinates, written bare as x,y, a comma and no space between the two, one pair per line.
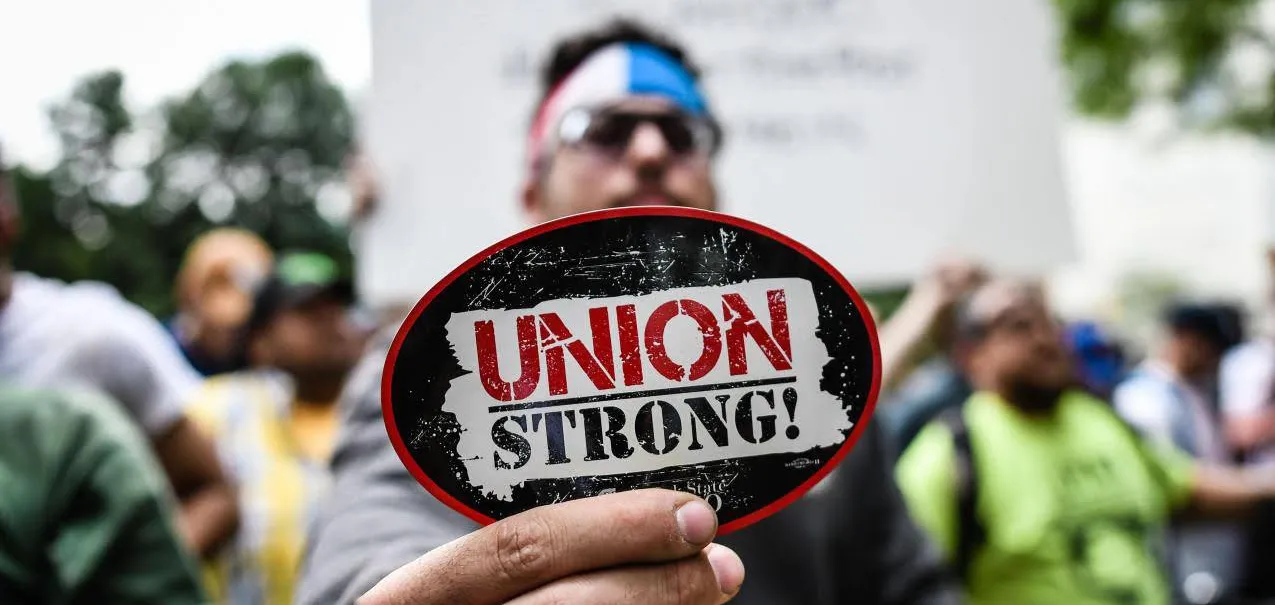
641,347
883,133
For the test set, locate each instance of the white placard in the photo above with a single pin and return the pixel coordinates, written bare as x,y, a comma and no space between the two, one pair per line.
878,132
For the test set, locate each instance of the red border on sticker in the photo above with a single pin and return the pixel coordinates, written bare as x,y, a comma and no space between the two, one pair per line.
387,376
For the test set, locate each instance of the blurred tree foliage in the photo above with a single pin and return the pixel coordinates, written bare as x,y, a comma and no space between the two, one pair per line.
260,144
1211,60
257,145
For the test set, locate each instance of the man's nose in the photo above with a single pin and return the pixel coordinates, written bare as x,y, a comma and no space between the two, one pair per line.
1051,335
647,146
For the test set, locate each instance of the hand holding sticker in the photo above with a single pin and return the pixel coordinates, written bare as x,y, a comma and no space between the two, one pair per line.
627,349
648,547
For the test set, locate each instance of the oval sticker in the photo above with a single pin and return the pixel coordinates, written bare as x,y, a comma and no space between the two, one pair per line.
632,348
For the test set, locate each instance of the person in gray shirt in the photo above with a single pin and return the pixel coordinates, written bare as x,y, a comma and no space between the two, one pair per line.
383,539
86,335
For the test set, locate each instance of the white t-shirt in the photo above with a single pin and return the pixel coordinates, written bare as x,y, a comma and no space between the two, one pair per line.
1150,399
85,334
1245,383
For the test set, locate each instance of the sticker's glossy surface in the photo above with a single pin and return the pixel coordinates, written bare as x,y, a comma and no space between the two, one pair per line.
622,349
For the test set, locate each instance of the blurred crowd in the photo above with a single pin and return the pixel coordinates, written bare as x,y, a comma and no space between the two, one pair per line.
235,452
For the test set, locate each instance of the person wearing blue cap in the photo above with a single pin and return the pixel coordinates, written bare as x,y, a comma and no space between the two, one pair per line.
1100,357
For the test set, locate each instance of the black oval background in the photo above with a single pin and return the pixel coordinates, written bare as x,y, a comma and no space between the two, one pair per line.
619,254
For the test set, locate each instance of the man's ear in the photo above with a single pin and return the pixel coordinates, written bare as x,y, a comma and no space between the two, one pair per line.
258,351
532,200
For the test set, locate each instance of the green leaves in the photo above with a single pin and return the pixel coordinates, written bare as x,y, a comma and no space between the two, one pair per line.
253,145
1120,54
256,143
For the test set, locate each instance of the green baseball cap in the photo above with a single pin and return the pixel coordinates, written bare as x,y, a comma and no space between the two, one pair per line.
298,278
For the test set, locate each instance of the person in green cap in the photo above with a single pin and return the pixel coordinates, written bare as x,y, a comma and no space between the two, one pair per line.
275,422
86,515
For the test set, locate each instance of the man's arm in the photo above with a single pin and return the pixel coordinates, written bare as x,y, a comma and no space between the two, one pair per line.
908,335
1229,493
1204,490
1244,387
132,360
1250,431
209,505
382,539
109,515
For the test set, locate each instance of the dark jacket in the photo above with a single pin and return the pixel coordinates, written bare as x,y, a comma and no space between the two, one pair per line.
848,541
931,390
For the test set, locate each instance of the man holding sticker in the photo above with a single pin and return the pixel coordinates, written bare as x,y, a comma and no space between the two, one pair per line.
1038,492
621,123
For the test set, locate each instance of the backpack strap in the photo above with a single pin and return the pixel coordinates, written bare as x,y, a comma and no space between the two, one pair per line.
970,532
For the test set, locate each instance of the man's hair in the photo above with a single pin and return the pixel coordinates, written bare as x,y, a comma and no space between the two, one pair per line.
976,313
573,50
1217,324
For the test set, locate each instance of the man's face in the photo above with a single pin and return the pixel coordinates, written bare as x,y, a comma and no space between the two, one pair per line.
223,301
215,292
632,153
315,338
1023,349
1198,357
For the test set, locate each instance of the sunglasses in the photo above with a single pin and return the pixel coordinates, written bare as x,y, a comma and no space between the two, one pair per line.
1015,325
611,131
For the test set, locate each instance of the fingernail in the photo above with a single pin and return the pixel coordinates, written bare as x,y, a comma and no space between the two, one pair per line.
697,522
727,567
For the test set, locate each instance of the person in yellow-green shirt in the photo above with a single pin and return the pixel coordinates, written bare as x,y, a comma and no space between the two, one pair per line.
275,423
1037,492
